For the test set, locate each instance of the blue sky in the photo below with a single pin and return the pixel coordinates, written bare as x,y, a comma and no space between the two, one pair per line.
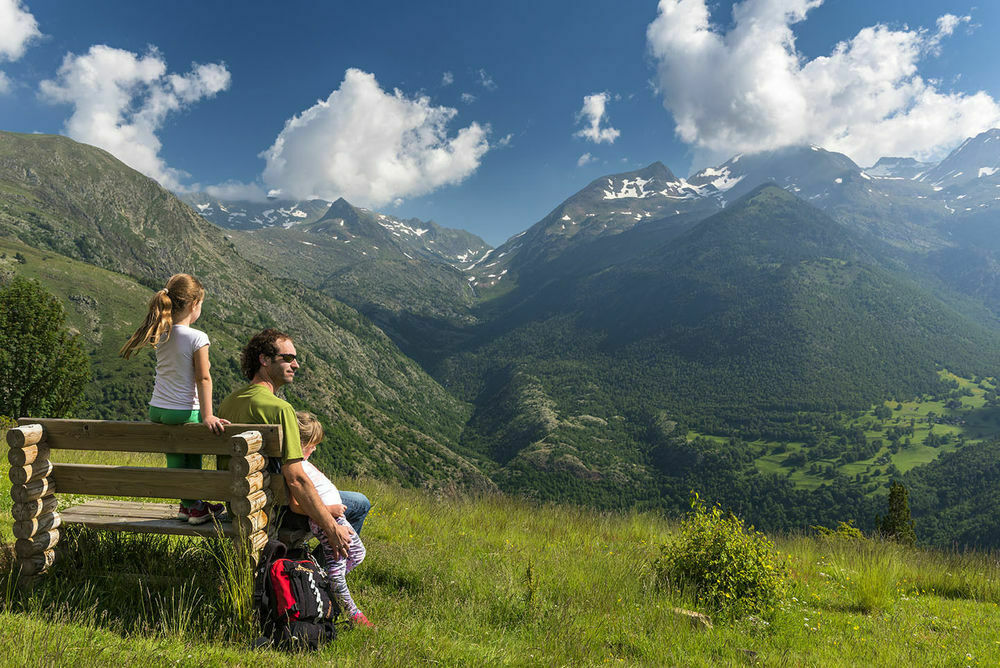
546,96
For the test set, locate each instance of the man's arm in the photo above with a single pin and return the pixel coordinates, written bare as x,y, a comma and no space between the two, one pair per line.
304,493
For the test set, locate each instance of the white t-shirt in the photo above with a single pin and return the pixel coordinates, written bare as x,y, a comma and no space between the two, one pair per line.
327,491
174,388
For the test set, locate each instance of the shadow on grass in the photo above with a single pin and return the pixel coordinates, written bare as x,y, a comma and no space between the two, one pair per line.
138,583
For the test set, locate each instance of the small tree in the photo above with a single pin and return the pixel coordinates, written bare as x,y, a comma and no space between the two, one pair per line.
43,368
897,525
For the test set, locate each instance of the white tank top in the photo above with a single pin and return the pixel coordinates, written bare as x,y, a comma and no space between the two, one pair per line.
327,491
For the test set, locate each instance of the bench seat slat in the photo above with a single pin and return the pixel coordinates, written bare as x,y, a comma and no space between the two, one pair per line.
141,481
141,517
111,436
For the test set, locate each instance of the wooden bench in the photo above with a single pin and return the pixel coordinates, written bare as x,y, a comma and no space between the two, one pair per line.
251,493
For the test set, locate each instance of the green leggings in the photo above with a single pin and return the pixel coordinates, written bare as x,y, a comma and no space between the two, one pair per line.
176,460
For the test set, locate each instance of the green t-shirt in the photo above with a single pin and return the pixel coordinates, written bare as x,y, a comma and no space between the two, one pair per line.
255,404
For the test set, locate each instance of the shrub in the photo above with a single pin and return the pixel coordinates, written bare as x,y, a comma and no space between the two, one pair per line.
844,531
731,568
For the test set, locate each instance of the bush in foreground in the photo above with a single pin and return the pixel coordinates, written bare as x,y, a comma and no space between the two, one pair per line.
731,568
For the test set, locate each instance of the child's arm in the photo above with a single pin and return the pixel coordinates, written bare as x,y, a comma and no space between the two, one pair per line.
337,509
203,380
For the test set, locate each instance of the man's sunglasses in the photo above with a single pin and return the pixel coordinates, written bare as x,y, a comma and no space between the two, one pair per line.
288,357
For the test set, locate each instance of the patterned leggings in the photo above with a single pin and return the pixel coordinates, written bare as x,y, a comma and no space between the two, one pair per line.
338,569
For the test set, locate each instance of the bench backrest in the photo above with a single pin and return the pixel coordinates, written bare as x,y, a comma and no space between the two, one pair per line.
35,478
148,437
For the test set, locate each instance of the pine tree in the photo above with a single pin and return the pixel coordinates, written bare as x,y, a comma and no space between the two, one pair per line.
897,525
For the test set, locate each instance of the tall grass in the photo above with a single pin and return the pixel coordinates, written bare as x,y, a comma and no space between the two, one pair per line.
870,570
499,581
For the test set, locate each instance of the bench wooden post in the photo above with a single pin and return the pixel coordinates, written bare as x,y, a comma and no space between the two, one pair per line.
36,522
251,504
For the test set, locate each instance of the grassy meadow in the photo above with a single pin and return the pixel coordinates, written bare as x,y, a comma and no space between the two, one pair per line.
498,581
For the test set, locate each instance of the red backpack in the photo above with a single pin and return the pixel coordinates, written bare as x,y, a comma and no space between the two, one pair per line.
295,604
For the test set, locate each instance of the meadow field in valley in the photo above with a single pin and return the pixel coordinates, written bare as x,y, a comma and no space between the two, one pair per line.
501,581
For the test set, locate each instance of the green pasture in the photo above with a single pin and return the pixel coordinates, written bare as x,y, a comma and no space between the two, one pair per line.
494,580
975,419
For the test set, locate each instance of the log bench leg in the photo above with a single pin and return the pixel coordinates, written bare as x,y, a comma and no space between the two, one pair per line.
36,522
251,504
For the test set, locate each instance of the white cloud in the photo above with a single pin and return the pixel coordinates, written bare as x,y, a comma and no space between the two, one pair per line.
505,141
592,113
120,101
749,89
485,80
17,30
447,79
585,159
371,147
468,98
235,190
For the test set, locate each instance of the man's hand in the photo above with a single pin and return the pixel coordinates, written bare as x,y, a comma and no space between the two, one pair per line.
340,540
304,492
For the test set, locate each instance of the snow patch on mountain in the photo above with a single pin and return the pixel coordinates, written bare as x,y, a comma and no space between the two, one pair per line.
637,189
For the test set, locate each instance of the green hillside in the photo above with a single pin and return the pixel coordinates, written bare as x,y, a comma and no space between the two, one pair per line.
103,235
761,321
511,583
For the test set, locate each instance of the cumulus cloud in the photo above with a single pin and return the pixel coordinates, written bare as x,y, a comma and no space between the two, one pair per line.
447,79
120,101
17,29
371,146
468,98
748,89
585,159
593,114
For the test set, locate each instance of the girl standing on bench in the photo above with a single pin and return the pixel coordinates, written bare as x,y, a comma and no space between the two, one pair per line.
182,391
311,433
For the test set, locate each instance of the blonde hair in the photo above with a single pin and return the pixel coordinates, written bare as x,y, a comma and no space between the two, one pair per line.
182,290
310,430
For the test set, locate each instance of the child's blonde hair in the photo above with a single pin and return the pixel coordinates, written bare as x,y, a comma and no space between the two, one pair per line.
182,290
310,430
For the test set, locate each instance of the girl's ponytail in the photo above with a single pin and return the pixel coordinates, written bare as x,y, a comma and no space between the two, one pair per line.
181,290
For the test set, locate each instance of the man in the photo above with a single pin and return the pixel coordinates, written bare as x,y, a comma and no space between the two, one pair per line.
269,362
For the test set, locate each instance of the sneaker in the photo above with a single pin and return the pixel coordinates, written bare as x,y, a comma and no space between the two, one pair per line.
203,512
183,513
359,619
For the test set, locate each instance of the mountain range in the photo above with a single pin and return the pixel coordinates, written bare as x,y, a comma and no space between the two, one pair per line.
761,300
103,237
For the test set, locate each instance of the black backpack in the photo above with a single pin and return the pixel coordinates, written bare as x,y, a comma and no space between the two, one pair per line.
295,604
